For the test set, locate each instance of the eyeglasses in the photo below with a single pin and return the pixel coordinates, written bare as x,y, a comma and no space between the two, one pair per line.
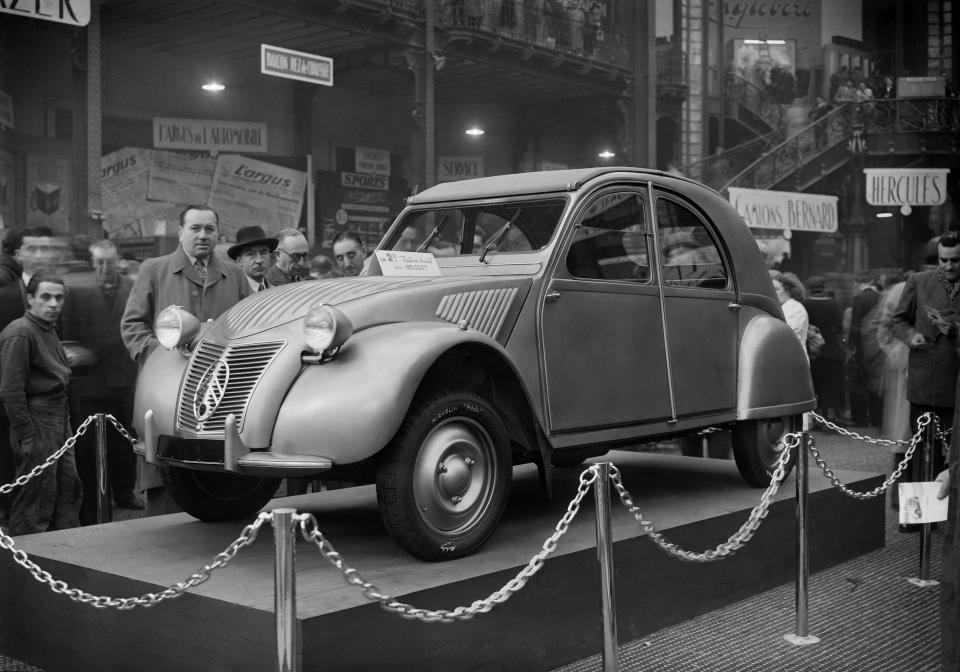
296,256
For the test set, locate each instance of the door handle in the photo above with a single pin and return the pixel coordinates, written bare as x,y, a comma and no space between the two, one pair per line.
552,296
734,306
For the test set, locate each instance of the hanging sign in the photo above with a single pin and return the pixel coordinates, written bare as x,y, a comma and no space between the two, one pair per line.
906,186
452,168
785,210
373,161
71,12
298,65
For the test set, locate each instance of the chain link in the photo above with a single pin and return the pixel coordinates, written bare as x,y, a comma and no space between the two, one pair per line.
790,442
247,536
922,423
120,428
854,435
21,480
311,532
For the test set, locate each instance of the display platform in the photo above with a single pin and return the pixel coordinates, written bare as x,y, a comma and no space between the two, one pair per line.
227,623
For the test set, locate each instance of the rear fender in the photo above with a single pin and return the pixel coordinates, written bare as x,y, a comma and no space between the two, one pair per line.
349,408
774,371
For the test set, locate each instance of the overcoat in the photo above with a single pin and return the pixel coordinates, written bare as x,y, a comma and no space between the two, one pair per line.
931,370
172,280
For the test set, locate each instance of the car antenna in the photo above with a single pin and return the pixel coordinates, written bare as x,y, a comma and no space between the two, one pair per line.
498,236
433,234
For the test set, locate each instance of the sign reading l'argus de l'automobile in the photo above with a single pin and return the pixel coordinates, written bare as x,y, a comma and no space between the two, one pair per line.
70,12
298,65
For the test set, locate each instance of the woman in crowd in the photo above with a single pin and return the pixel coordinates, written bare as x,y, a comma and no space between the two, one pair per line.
790,293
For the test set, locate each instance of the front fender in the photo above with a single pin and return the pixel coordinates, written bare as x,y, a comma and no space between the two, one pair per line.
350,407
157,384
774,371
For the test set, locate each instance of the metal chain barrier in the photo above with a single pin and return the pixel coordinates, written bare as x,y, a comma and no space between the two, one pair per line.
855,435
922,423
311,532
7,488
120,428
247,536
790,442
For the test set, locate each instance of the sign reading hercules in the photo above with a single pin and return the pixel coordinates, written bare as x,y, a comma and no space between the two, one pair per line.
762,209
209,134
906,186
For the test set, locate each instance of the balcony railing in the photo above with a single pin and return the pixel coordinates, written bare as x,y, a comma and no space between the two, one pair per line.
757,101
572,32
716,169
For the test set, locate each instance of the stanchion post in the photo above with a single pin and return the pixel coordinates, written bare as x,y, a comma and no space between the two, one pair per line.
103,490
925,473
285,589
802,635
608,607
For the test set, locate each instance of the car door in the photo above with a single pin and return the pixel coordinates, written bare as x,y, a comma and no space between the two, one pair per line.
601,334
700,308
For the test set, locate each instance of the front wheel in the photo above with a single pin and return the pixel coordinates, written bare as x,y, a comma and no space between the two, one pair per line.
213,496
757,446
444,479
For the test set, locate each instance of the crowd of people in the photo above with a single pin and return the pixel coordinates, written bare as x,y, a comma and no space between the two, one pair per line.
76,321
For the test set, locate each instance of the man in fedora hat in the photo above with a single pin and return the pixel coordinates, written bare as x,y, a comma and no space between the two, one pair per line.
253,252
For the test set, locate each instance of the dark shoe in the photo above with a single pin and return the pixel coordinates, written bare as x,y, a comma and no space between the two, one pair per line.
129,501
909,529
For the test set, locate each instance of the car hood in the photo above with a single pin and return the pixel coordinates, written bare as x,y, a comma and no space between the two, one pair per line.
486,304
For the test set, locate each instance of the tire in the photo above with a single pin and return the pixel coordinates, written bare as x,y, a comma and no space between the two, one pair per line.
718,445
757,447
452,444
214,496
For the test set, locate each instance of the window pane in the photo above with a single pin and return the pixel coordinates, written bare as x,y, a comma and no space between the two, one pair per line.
611,242
690,257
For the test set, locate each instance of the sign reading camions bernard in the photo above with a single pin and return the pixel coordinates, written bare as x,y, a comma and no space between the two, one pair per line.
785,210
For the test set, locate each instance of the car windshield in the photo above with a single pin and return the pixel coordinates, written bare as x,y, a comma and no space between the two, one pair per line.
467,230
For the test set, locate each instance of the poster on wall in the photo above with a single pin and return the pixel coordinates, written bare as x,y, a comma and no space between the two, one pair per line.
48,191
770,65
7,190
178,177
247,192
124,183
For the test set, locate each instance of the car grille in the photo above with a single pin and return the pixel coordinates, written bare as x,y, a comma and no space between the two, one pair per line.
246,365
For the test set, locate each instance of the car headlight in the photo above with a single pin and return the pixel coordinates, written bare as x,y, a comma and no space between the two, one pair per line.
326,328
175,327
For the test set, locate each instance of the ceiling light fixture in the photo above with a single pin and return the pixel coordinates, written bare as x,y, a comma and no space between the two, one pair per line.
213,86
606,154
884,215
475,130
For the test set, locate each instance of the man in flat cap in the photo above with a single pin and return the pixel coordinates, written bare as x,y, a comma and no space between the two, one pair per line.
253,251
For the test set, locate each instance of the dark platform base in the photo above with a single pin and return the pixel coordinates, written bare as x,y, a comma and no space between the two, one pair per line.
227,623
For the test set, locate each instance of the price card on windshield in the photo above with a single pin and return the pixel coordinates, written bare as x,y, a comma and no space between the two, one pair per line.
404,264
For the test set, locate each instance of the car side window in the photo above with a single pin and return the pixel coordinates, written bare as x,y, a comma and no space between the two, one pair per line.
690,255
611,241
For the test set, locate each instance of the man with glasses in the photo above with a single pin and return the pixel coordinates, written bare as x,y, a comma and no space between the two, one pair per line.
253,251
293,258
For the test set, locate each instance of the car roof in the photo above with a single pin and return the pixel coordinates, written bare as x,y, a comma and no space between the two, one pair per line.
520,184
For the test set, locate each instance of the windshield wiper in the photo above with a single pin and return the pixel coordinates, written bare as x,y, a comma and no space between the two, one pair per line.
498,236
433,234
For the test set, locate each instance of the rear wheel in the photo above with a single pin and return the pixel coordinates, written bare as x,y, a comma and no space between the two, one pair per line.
213,496
757,447
444,480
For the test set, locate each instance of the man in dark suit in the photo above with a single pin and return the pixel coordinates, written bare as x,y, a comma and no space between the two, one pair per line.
253,251
926,320
104,383
192,277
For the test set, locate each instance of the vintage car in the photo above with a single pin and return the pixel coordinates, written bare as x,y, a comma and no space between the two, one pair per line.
541,317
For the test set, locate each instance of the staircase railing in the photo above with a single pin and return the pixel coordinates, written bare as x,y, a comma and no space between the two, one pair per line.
715,170
756,101
796,151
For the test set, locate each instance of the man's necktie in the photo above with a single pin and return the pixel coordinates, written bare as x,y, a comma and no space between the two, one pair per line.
201,268
262,286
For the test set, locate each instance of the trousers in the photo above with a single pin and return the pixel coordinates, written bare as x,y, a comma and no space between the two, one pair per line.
51,499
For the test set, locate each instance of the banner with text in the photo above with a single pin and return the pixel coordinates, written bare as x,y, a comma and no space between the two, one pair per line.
180,177
906,186
209,135
248,192
785,210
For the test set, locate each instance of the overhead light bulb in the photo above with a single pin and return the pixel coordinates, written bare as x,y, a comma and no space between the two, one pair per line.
884,215
474,130
213,86
606,154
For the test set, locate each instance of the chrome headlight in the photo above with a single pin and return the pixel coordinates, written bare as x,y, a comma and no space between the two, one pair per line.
326,328
175,327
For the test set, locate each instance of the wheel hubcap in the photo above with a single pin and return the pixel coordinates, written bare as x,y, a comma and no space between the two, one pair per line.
454,475
770,433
